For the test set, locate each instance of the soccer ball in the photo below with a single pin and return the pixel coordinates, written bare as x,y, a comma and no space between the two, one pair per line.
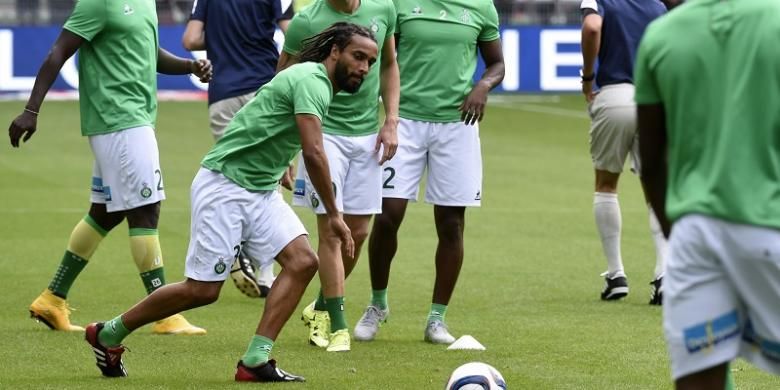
476,376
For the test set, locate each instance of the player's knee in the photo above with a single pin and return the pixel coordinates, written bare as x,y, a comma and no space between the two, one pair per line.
386,224
203,293
305,264
145,217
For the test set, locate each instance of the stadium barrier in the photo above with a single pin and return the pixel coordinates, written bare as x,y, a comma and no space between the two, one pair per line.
538,59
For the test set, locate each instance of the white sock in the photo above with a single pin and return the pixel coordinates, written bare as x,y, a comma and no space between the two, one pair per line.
659,240
608,221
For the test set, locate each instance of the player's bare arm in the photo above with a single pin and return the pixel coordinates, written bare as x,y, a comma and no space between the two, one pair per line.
26,123
651,120
390,88
591,41
168,63
316,162
194,37
473,108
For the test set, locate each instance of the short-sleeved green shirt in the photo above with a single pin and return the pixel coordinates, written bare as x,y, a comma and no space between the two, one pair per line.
720,89
350,114
437,54
263,137
117,63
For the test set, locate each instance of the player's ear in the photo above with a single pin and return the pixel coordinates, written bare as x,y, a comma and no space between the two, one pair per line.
335,52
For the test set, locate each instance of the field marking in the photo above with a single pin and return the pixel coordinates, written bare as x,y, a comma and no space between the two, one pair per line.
579,114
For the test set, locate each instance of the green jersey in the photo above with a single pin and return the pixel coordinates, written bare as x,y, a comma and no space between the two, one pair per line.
437,54
117,64
350,114
720,88
263,137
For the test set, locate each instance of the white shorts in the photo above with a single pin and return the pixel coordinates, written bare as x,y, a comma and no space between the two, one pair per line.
613,131
451,152
222,112
721,294
226,219
126,174
355,172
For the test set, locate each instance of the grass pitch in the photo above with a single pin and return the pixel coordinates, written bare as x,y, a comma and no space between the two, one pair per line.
528,290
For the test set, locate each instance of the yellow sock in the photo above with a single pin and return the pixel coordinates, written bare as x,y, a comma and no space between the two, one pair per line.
145,247
83,242
85,238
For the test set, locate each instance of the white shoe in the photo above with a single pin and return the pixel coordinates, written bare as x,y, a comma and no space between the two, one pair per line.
369,323
436,332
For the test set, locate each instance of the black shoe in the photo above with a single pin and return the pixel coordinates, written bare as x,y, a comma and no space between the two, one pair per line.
244,277
109,360
266,372
614,288
657,291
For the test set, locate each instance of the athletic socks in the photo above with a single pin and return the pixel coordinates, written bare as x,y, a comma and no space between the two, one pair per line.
145,248
258,351
113,332
379,298
437,312
319,304
661,247
606,209
335,307
84,240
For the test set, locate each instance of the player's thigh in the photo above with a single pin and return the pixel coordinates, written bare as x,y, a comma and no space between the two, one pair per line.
613,127
218,216
402,174
304,194
454,165
362,187
272,225
702,313
753,264
128,163
222,112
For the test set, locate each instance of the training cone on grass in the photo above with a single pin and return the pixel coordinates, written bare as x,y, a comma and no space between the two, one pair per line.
466,342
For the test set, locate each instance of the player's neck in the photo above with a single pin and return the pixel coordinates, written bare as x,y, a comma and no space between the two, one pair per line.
345,6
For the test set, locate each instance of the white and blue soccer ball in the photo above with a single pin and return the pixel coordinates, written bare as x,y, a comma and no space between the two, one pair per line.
476,376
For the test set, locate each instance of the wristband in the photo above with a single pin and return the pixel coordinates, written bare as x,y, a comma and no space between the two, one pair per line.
31,111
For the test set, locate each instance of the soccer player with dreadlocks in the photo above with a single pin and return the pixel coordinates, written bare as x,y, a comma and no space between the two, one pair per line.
234,200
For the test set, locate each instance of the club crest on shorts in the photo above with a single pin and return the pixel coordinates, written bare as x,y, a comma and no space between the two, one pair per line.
220,267
315,202
146,191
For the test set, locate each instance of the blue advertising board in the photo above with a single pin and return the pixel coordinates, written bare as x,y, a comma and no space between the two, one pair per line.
538,59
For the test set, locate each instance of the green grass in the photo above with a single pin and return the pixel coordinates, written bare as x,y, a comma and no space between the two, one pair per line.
528,290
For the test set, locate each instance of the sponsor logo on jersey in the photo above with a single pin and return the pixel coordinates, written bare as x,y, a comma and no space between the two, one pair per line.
374,25
128,10
417,10
465,16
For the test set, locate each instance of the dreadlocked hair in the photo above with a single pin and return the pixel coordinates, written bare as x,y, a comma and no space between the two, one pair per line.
317,48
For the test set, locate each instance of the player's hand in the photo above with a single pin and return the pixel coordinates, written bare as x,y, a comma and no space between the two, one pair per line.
341,230
387,139
287,178
587,90
24,125
473,108
202,68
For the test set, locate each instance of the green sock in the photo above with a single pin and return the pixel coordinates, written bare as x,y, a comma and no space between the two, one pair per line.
437,312
379,298
70,267
113,332
153,279
258,351
320,305
729,379
336,311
